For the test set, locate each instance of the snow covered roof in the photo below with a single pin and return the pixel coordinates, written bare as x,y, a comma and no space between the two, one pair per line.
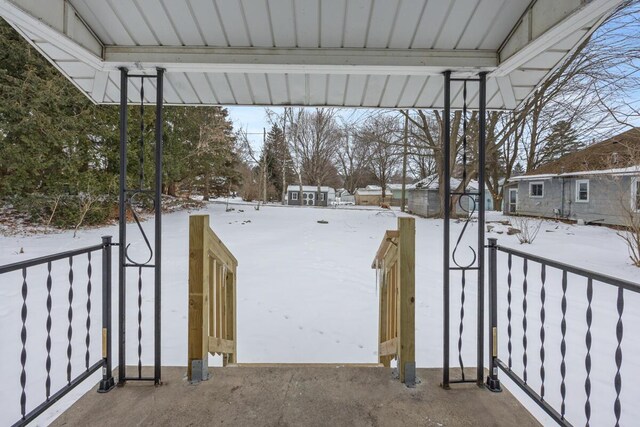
371,191
399,186
365,53
431,183
631,170
310,188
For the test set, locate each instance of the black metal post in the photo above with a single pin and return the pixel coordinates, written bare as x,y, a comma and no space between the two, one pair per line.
447,204
107,382
493,383
482,97
122,221
158,221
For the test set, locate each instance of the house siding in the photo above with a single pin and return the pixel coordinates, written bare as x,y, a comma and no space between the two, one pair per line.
318,202
609,198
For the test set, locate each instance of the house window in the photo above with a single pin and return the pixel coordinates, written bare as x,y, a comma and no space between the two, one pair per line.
294,196
635,194
536,189
582,190
322,197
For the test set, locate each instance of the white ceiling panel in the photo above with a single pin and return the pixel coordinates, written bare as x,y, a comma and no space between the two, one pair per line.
260,88
371,53
209,23
355,90
337,88
317,89
278,88
357,23
394,87
257,15
158,22
332,15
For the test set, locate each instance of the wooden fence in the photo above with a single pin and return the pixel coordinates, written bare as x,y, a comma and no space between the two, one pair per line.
395,262
212,299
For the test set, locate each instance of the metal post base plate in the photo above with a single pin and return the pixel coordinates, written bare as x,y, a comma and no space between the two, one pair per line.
199,371
106,385
410,374
493,384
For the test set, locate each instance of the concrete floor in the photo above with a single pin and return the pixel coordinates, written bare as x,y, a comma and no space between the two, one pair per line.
331,395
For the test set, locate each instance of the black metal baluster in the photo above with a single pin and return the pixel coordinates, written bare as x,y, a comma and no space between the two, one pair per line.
524,319
70,316
141,142
509,346
618,378
563,343
47,383
88,337
462,298
139,322
23,339
543,296
587,359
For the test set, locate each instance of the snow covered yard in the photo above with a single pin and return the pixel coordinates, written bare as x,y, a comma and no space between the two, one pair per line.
307,293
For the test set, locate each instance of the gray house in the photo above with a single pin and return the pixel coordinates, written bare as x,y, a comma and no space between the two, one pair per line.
596,185
310,195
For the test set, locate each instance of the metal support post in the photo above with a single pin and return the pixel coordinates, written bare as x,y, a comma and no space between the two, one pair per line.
482,96
107,382
447,200
158,223
122,220
493,383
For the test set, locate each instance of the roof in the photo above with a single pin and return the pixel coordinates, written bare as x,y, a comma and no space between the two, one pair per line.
396,187
310,188
355,53
431,183
618,154
371,191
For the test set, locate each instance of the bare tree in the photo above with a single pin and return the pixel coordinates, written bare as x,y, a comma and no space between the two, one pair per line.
382,137
315,139
351,157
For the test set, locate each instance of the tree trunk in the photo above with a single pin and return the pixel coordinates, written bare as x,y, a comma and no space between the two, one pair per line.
404,162
205,189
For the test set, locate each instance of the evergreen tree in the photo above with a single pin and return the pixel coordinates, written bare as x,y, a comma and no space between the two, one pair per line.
278,161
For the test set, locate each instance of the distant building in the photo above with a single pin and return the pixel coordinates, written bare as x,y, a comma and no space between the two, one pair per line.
396,193
423,198
598,184
371,195
310,195
343,197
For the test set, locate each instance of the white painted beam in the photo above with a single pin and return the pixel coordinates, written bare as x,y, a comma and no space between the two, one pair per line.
545,23
299,61
506,91
56,22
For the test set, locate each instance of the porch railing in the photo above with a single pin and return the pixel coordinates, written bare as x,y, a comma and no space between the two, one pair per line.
541,344
395,265
212,299
60,272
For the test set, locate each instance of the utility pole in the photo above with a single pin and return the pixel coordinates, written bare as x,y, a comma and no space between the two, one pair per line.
404,161
264,166
284,159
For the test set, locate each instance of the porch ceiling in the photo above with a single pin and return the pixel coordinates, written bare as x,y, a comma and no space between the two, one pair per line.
355,53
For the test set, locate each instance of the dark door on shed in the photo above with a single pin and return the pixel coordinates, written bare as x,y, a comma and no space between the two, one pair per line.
513,200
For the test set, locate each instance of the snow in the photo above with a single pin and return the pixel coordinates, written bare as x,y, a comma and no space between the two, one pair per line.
631,170
306,293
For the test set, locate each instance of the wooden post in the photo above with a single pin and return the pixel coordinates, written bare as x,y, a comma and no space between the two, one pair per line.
383,324
198,332
231,288
406,300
